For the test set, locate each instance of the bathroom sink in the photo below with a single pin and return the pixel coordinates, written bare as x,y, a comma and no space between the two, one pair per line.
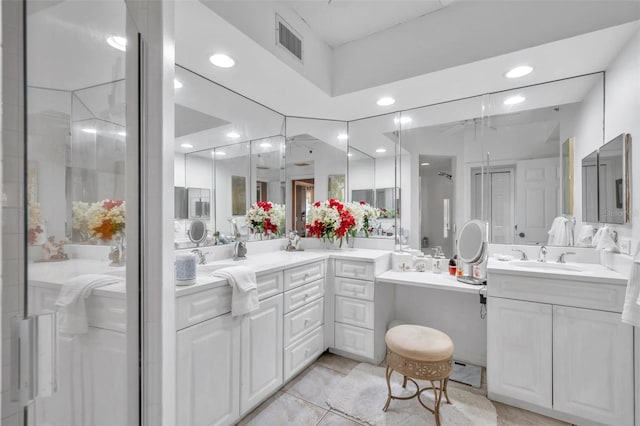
211,267
546,266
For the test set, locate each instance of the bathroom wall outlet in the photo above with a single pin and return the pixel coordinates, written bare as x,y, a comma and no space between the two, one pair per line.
624,245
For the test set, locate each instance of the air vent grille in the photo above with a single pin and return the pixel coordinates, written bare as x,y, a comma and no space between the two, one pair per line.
288,38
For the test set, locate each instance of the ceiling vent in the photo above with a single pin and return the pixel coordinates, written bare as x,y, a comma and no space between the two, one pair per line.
288,38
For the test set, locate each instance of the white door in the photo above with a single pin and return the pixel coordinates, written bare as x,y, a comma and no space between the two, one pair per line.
208,373
502,207
537,183
593,365
261,347
519,350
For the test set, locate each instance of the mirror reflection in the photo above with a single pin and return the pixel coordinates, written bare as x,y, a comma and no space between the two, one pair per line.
228,155
589,181
316,164
612,185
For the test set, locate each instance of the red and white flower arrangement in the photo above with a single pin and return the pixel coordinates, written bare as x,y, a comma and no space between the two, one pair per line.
265,217
330,220
35,222
369,215
106,219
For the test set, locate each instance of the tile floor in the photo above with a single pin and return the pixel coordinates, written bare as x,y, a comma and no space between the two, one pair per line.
302,401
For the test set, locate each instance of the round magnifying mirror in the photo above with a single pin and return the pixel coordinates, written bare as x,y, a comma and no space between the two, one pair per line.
197,232
471,241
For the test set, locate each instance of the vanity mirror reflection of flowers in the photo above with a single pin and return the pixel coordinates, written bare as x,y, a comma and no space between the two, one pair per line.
266,219
331,221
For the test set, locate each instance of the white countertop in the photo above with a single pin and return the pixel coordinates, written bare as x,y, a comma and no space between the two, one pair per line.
591,272
55,274
427,279
278,260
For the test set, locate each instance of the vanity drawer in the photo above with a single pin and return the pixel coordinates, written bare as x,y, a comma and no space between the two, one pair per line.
355,269
109,313
300,296
299,322
589,295
301,354
354,311
355,340
295,277
197,307
270,284
354,288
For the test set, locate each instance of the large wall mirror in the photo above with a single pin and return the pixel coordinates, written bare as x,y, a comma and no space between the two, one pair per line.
228,147
373,172
316,166
529,136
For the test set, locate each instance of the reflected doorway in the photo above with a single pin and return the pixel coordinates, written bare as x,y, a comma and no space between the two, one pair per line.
302,190
437,203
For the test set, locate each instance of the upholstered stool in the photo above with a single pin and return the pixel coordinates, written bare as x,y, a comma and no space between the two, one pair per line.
420,353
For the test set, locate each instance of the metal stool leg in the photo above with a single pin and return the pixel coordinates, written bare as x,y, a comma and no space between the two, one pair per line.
446,383
388,375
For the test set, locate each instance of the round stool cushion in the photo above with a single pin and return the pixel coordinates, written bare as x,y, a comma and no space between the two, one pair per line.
419,343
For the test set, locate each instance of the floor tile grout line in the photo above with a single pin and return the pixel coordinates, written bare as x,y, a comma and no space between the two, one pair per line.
308,402
323,416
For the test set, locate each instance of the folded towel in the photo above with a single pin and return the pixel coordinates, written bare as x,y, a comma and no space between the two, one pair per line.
585,238
631,307
558,234
244,298
603,240
72,312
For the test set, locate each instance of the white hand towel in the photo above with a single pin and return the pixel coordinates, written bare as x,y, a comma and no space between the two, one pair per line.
585,237
72,312
558,235
244,298
631,307
603,240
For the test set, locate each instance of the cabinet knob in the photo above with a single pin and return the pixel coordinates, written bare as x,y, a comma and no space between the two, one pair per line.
306,321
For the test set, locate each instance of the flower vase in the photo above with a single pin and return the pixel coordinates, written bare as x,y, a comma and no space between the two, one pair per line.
334,244
118,251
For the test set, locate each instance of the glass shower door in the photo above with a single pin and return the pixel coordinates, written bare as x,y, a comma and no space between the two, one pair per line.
80,161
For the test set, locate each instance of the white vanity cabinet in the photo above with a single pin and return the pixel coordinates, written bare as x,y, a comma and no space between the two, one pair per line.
208,372
563,351
304,316
261,352
94,362
361,310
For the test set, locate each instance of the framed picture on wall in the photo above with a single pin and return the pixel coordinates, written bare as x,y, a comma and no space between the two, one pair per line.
336,187
238,195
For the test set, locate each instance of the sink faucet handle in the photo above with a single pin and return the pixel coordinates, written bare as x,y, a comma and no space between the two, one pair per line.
542,254
524,255
562,255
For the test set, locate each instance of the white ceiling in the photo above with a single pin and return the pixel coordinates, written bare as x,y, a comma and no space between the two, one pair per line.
259,75
338,22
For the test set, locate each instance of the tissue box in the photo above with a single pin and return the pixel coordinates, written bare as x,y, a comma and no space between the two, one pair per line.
185,269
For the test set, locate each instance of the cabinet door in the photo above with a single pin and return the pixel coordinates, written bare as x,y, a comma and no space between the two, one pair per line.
593,365
104,370
261,352
519,350
208,369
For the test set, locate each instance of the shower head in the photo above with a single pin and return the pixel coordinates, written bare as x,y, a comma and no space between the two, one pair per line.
445,174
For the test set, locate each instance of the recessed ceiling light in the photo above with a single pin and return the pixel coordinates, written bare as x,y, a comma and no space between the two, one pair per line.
386,101
117,42
349,155
402,120
425,164
221,60
381,150
266,145
343,136
90,130
220,153
186,145
233,135
513,100
518,72
122,133
177,84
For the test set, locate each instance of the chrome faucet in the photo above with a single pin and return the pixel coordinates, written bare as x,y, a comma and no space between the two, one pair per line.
239,249
524,255
202,260
561,257
542,254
